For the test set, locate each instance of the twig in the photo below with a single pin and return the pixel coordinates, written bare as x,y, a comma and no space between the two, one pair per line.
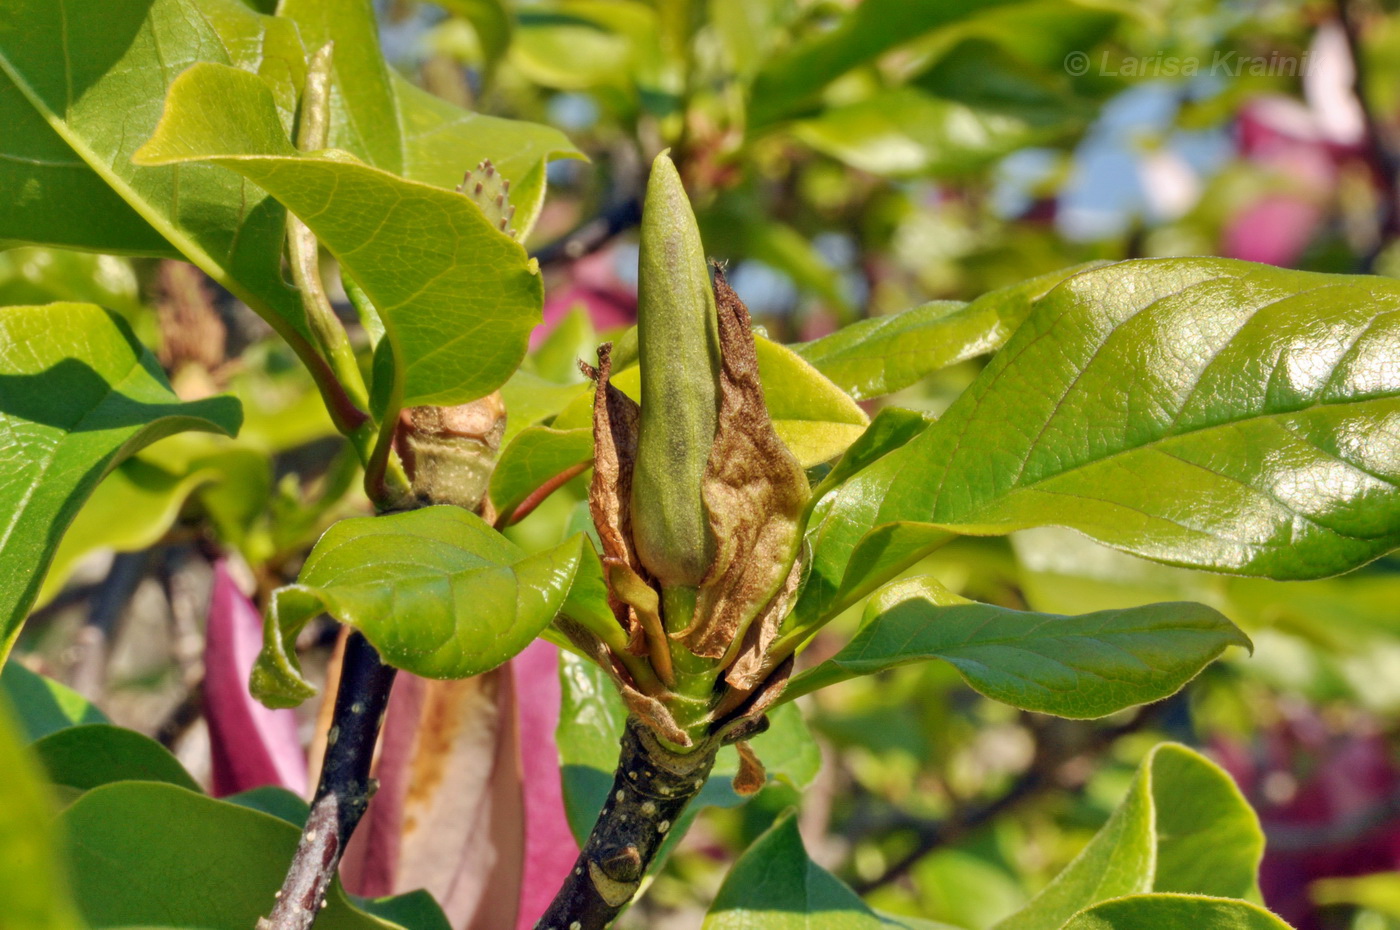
1038,778
616,218
650,791
344,790
88,675
1380,142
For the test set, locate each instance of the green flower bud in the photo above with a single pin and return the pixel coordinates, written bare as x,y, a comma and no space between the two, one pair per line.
678,345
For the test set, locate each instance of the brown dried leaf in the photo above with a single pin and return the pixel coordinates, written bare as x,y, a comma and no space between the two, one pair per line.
754,493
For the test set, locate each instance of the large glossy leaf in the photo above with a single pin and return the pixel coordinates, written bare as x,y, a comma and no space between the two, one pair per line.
151,854
1203,412
775,886
1084,666
33,880
78,394
590,731
93,74
1175,912
84,757
1183,827
42,705
883,354
437,591
457,296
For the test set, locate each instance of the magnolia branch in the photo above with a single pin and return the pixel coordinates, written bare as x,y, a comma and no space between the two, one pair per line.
344,789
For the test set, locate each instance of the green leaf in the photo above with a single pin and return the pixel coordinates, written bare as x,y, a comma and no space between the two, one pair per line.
415,909
84,757
814,418
457,296
1175,912
42,705
535,455
129,511
590,730
386,121
572,339
33,882
441,141
844,509
279,802
885,354
94,73
530,398
78,394
1379,891
775,886
905,132
144,853
437,591
490,20
791,79
1203,412
1085,666
1180,805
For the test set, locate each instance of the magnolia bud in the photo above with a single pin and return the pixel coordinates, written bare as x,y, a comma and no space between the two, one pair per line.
678,346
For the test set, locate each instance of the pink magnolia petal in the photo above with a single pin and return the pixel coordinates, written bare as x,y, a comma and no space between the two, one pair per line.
447,816
251,745
1274,230
550,849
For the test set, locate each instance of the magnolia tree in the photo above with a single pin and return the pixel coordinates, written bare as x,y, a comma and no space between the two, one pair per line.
1199,412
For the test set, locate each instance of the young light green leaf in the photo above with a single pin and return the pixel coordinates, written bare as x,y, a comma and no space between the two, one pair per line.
441,140
78,394
1085,666
1175,912
141,854
536,455
1203,412
457,296
813,417
884,354
42,705
34,881
530,398
1147,842
436,591
94,74
775,886
84,757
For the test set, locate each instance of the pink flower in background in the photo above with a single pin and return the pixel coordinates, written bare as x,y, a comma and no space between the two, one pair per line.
593,283
251,745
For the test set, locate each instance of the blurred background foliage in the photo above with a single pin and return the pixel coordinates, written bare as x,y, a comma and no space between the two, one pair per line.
847,161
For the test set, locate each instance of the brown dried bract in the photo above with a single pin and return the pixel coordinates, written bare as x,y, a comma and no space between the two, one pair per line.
752,776
655,715
754,492
615,425
751,666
